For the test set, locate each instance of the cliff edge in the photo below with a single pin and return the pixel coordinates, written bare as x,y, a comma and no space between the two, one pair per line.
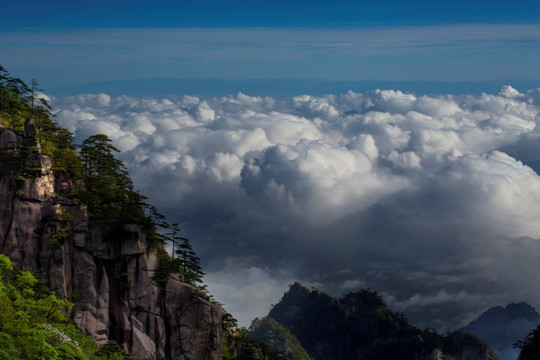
108,275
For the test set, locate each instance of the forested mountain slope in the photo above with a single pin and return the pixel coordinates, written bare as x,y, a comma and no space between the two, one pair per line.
359,326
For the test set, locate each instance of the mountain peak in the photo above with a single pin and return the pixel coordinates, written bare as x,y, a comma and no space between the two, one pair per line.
521,309
512,312
362,300
296,287
502,326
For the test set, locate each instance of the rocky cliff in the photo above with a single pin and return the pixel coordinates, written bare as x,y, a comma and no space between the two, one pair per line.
359,326
109,276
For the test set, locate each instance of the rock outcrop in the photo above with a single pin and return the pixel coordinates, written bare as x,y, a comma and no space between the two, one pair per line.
30,128
108,276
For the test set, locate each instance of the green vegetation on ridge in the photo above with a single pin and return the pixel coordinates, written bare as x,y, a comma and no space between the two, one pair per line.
19,102
360,326
269,331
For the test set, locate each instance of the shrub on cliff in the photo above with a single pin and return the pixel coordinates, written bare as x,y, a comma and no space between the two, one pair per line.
34,325
279,338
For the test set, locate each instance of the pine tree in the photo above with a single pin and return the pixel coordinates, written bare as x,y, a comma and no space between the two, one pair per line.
109,192
189,262
156,221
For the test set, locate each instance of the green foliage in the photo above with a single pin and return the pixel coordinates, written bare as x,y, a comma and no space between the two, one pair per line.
8,349
34,325
249,348
6,267
84,342
13,100
108,190
165,266
57,239
19,102
111,351
65,216
69,351
227,320
272,333
188,262
34,345
25,283
225,349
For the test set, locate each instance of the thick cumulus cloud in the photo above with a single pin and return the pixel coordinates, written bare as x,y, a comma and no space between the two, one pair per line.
434,202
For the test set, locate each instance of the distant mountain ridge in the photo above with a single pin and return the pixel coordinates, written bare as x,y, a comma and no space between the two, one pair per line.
280,87
503,326
359,326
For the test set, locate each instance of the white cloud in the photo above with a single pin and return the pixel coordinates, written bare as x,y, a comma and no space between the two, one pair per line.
352,285
246,289
440,297
407,159
433,201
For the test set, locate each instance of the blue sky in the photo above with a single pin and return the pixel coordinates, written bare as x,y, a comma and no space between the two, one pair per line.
66,43
275,13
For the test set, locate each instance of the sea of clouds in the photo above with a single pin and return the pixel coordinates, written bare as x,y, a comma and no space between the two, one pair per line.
432,201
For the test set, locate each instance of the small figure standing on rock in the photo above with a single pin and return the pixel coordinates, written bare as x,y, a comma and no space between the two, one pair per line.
30,128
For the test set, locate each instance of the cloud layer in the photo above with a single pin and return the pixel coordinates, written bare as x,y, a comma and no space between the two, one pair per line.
431,201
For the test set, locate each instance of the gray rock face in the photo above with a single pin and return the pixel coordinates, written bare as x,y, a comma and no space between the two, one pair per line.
9,140
108,278
195,323
30,128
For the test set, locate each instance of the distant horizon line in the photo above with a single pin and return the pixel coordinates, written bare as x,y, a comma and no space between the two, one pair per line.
283,87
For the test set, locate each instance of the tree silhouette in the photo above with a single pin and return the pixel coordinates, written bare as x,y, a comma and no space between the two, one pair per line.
109,192
189,263
530,345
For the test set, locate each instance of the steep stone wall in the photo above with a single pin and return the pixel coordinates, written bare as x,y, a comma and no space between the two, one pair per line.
109,278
